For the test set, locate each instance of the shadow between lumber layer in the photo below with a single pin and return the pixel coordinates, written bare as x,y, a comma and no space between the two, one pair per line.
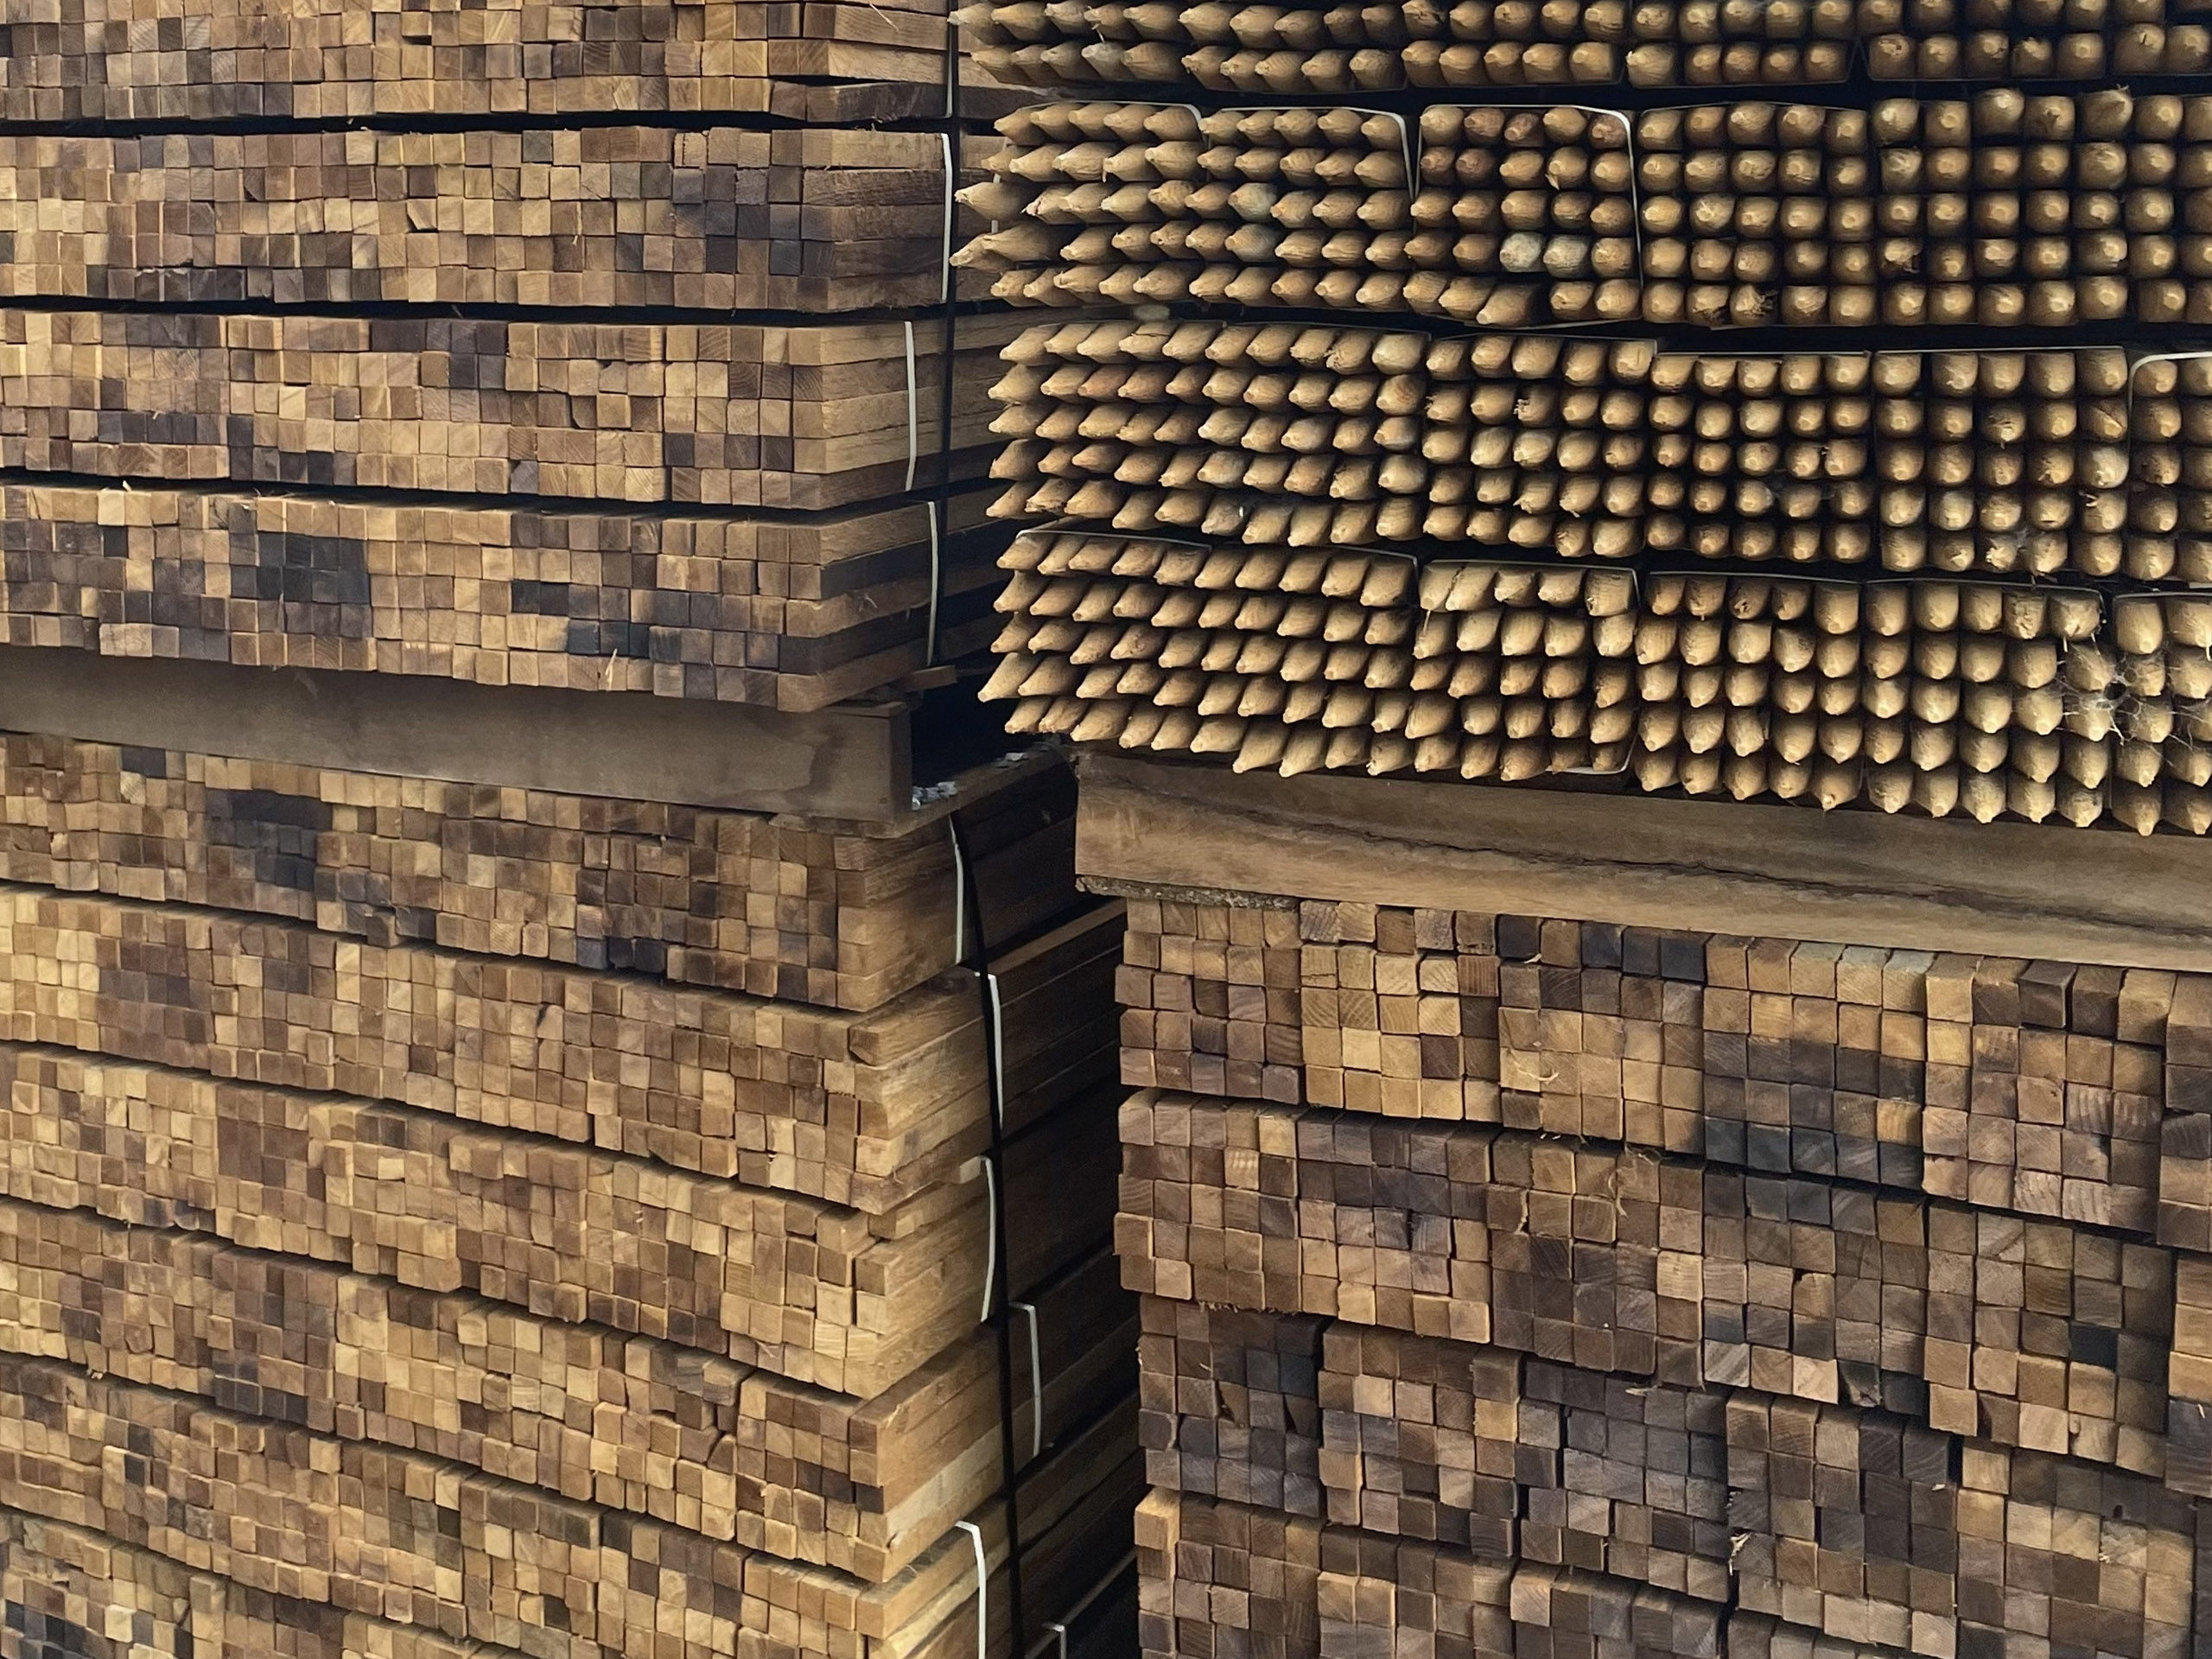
1842,877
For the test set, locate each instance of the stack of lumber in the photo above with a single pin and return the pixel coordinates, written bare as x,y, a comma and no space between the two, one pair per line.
656,369
374,1124
770,415
324,60
672,563
1529,1284
1361,538
609,1157
1973,697
723,218
1262,50
786,612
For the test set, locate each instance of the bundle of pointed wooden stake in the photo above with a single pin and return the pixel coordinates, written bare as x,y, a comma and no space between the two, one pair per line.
2038,210
2161,679
1227,47
2029,39
2169,406
1301,661
2009,208
1499,216
1753,213
1942,695
1972,697
1306,434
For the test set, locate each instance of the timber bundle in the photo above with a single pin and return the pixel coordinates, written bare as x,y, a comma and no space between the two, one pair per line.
1220,45
609,1166
1402,441
608,1157
660,406
1525,1286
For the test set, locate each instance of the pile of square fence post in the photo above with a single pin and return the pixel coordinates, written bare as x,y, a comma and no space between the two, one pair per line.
558,1086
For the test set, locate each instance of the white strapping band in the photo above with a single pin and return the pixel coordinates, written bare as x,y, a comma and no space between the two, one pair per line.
1036,1383
951,180
1059,1629
951,64
998,1048
959,898
937,586
913,410
991,1238
2135,363
982,1589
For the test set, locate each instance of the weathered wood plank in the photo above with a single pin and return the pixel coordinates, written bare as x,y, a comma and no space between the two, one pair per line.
1851,879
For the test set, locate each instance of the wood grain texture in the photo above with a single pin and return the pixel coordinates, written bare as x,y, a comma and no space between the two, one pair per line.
2005,890
854,762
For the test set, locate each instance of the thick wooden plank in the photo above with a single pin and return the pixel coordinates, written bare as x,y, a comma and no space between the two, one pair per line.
1846,878
854,762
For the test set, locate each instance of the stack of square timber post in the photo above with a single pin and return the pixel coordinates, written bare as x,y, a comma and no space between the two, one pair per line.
558,1087
1529,1266
1586,1220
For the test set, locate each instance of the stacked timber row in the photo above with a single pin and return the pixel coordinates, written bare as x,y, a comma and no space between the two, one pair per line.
1404,440
434,1134
559,1088
682,408
1525,1283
